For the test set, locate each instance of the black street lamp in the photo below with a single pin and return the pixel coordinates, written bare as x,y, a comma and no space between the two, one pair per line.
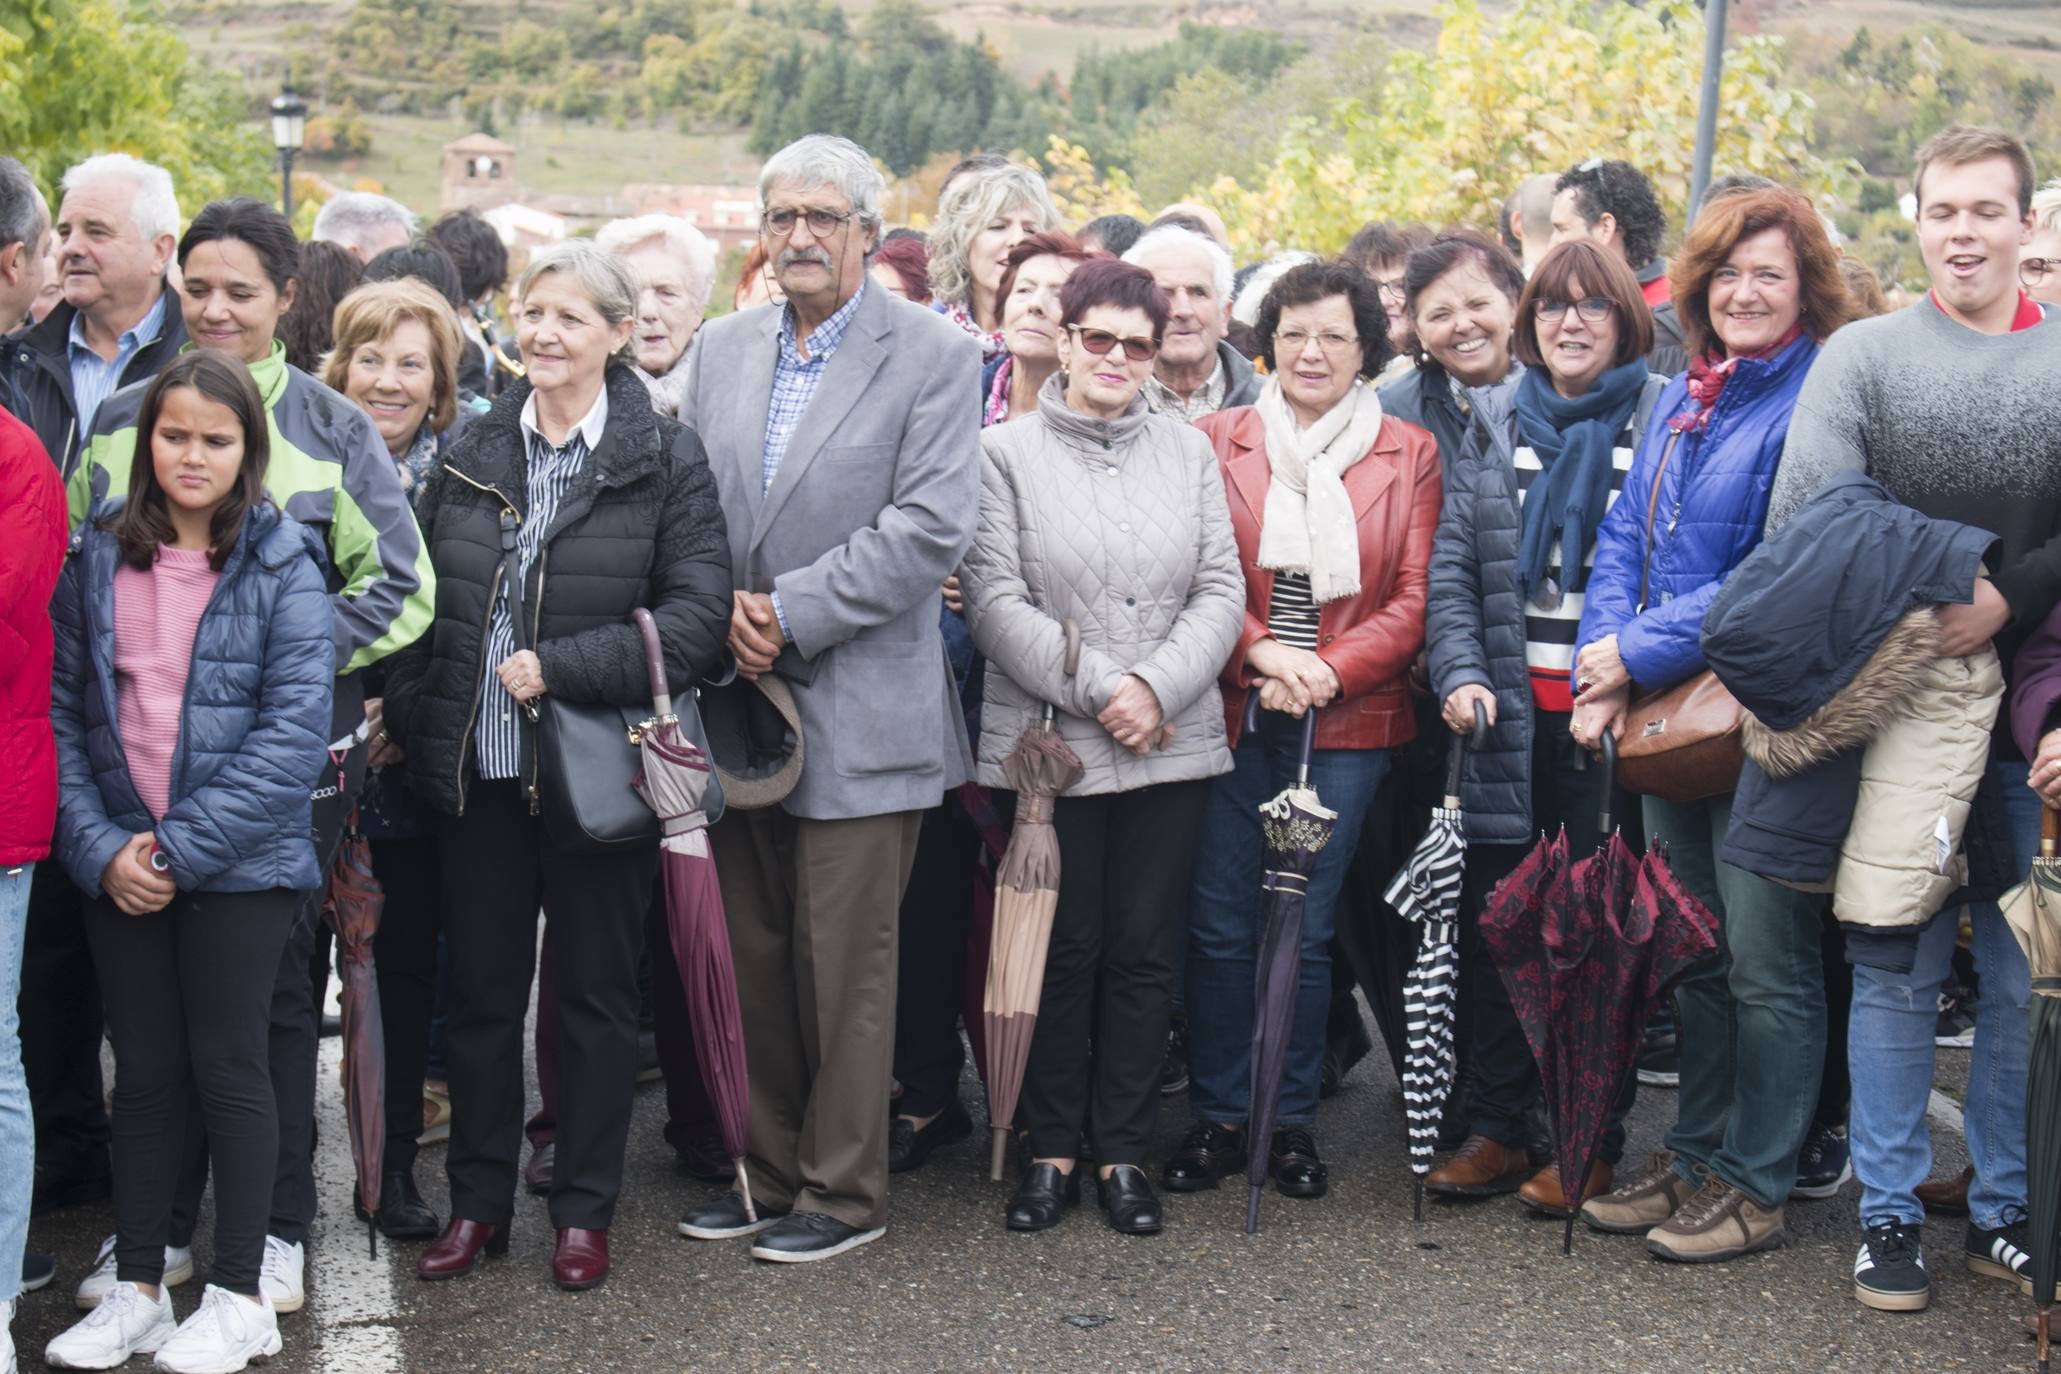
289,131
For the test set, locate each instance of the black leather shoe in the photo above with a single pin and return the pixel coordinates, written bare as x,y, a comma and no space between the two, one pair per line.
403,1215
703,1157
1042,1196
1128,1198
909,1147
1208,1153
1293,1160
800,1237
724,1218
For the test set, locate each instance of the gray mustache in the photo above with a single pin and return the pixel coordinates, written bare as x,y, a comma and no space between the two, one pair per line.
790,256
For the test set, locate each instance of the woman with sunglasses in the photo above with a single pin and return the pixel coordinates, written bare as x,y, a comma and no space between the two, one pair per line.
1334,504
1097,511
1508,571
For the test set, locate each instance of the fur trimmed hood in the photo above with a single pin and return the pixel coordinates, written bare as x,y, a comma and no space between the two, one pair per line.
1858,710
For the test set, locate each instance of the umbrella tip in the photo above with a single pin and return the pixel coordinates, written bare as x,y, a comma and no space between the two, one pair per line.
1252,1212
1567,1240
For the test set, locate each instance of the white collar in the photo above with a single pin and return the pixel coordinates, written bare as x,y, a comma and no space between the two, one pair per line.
590,426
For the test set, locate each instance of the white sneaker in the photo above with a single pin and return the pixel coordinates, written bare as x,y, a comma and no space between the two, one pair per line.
125,1323
92,1288
280,1277
7,1339
224,1334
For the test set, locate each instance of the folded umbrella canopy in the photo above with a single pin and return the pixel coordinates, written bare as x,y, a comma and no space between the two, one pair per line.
1296,826
2033,910
1039,768
1427,890
674,783
1587,951
351,905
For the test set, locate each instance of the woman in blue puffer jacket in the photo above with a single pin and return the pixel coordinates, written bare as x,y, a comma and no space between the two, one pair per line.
195,663
1758,289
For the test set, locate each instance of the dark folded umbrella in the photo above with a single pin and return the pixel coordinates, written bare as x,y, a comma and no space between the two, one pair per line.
674,783
1427,890
1296,826
2034,912
351,906
1586,958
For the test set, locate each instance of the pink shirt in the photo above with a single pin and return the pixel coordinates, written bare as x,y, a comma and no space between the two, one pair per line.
156,613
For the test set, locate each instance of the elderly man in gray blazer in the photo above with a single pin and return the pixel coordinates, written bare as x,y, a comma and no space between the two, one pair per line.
848,464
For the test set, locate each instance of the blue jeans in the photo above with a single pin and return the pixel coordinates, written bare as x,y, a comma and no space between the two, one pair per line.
1890,1048
17,1126
1226,918
1752,1016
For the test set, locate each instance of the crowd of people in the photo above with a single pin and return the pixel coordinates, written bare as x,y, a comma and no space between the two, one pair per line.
301,538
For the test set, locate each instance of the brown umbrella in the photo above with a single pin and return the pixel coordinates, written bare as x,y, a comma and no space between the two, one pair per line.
351,905
675,784
1026,893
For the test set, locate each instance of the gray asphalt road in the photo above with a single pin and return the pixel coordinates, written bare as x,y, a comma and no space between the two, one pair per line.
1345,1283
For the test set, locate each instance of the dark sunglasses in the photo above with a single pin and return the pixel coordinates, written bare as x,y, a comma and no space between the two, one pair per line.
1100,341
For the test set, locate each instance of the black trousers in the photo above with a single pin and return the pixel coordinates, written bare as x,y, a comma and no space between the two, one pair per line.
499,867
186,990
404,960
937,910
1126,862
1566,789
292,1046
1835,1089
60,1033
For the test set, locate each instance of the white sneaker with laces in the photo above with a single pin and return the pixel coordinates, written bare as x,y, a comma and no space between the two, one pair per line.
280,1277
224,1334
126,1322
92,1288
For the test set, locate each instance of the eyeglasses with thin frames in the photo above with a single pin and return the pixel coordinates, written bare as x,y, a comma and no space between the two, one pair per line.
1100,341
822,223
2033,271
1289,343
1592,309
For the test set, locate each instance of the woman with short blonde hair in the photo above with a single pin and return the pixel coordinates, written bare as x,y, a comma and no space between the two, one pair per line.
976,227
372,316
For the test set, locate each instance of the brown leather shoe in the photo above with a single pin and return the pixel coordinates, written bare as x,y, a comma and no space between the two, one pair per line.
1947,1196
456,1252
536,1175
581,1259
1542,1192
1481,1168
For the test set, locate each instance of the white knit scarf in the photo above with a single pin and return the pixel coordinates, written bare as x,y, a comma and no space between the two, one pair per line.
1308,526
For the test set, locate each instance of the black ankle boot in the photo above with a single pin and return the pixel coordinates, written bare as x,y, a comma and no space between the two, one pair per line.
403,1215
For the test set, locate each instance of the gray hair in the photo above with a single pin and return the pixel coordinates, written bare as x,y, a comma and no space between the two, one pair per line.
677,237
601,274
972,208
1153,241
347,218
827,160
1246,308
155,210
23,215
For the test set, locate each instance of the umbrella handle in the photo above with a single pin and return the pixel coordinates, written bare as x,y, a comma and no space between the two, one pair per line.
1073,665
1456,757
2050,831
654,664
1606,823
1309,735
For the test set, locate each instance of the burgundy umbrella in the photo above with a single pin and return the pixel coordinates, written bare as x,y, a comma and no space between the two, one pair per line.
351,905
674,783
1587,952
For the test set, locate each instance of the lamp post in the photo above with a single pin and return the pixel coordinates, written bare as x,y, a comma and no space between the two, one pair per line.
1707,102
289,131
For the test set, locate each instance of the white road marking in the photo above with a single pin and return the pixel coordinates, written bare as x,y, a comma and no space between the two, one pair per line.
1944,1112
350,1294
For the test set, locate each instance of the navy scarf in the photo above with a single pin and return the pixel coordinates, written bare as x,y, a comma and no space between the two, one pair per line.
1573,440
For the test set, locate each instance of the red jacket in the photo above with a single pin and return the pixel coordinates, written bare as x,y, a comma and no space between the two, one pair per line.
32,538
1371,639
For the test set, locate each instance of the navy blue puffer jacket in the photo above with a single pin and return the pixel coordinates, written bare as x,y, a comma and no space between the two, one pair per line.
251,737
1713,506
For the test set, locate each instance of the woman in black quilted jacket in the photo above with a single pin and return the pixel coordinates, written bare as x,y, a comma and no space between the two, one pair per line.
612,508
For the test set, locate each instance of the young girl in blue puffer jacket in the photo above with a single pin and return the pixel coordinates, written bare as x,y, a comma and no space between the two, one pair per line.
194,667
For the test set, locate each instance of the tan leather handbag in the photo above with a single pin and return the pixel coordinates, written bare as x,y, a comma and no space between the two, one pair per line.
1682,744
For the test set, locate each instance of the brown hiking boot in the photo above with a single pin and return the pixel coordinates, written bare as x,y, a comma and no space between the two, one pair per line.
1481,1168
1719,1223
1642,1204
1542,1192
1948,1196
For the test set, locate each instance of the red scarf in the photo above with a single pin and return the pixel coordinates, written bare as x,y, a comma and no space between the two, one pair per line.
1708,375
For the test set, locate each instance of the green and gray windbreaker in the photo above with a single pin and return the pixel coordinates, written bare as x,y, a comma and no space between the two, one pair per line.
329,470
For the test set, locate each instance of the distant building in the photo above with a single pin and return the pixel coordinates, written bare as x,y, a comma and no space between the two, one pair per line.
480,174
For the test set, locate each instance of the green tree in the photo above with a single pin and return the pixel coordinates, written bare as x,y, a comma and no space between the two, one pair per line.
79,77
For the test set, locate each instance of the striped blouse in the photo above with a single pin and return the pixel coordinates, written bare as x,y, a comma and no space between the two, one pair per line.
1292,611
1554,614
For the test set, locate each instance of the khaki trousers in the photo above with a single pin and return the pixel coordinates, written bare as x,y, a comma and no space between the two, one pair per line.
812,909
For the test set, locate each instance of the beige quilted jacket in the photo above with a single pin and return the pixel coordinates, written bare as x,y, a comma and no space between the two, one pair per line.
1122,527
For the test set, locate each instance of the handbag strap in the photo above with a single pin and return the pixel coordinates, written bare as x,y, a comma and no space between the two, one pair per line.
1652,505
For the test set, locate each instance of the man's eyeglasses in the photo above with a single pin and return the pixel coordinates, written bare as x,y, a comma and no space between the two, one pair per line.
2033,271
822,223
1592,309
1100,341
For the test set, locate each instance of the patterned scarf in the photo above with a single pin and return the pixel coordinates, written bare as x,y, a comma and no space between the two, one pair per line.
957,313
414,466
1708,375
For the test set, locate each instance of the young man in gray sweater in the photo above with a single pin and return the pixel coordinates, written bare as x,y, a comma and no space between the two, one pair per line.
1954,405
